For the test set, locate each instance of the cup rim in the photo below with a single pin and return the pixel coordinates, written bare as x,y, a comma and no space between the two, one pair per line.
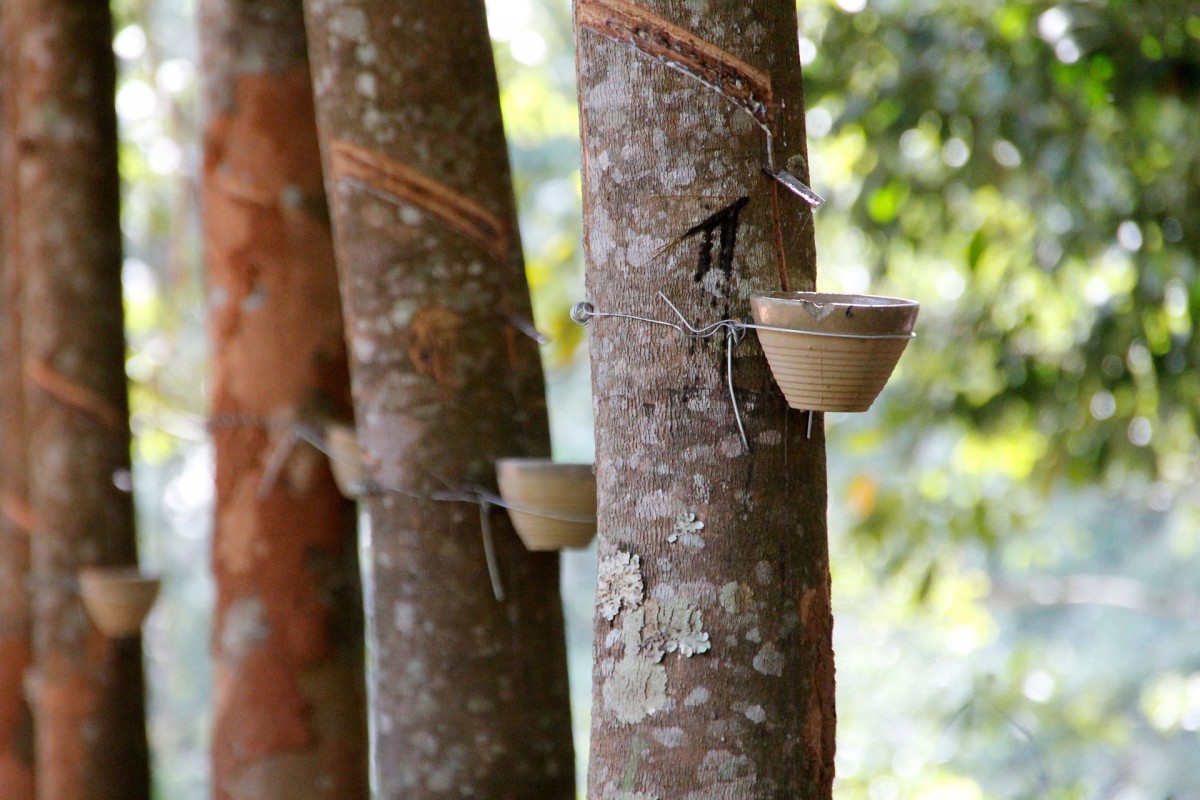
542,464
836,299
126,574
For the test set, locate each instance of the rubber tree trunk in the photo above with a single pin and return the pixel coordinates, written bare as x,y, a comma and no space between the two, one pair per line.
714,667
87,689
16,724
290,710
469,695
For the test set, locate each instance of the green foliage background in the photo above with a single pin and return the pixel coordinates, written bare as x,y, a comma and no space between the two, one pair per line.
1015,525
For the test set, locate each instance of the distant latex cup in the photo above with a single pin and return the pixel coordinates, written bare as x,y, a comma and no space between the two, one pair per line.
844,348
551,505
117,598
346,460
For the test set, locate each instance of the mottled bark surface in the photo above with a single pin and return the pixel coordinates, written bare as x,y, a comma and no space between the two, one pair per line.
16,727
290,711
86,689
714,664
469,694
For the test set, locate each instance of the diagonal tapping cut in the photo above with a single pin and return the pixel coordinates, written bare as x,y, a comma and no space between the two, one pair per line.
395,182
17,511
635,27
73,394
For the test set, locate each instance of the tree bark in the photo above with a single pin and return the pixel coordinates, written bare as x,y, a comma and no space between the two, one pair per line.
16,723
87,690
469,694
290,711
714,666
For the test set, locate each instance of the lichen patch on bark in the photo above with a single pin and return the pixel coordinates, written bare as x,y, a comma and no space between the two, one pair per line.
620,584
635,689
673,625
769,660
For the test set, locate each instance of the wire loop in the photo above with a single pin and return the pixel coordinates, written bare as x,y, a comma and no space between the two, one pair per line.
584,312
484,499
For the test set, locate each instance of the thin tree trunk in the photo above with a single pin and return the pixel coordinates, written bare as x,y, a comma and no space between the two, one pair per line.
16,723
469,694
87,689
290,710
714,664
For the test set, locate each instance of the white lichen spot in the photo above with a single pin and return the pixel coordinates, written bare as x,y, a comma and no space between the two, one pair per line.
764,572
441,780
631,629
663,591
403,310
755,713
672,625
668,737
243,628
365,53
636,689
731,446
722,765
349,23
753,635
619,585
685,524
376,121
701,592
480,705
654,505
415,670
769,660
643,247
405,617
769,438
365,84
410,215
696,697
364,349
684,175
424,741
728,597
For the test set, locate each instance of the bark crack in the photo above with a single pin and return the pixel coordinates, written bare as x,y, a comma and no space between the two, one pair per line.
240,191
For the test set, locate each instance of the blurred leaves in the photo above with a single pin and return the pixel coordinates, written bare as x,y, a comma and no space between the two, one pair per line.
1026,171
1029,172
